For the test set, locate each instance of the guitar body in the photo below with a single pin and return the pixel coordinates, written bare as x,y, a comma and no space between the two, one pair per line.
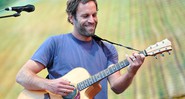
75,76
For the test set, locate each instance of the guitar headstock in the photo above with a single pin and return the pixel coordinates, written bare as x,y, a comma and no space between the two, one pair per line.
159,48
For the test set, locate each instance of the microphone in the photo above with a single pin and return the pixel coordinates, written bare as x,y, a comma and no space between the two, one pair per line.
18,9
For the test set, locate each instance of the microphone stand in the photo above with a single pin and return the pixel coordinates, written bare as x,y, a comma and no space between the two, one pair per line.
13,15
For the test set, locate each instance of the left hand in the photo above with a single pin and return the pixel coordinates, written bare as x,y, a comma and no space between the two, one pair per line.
135,60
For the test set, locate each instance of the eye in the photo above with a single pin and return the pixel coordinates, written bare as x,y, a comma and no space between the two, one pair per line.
85,15
94,15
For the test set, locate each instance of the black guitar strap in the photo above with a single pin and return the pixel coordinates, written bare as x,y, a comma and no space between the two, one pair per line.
98,40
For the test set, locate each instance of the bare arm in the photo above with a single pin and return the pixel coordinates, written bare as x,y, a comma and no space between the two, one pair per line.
120,82
27,78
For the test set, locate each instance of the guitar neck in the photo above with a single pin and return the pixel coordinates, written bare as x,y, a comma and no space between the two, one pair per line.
103,74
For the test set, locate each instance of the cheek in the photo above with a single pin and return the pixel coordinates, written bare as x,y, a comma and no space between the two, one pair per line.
83,22
79,22
96,19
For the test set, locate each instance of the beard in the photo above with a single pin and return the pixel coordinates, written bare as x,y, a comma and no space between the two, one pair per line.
85,30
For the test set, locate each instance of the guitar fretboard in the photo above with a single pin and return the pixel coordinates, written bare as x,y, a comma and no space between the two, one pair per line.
103,74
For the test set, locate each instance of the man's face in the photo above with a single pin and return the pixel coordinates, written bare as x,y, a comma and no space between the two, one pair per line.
86,19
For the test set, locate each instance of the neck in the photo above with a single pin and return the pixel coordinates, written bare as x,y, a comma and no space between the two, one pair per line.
81,37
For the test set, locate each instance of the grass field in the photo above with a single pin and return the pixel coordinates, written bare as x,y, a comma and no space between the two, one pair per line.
136,23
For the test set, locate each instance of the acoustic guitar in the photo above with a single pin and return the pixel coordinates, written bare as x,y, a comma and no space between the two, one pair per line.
88,86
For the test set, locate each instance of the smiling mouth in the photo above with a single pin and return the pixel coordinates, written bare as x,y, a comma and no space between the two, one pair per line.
90,27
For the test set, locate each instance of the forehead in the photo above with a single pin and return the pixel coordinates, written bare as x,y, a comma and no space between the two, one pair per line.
89,7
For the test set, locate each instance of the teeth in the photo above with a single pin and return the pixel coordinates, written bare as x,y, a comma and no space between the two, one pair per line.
90,26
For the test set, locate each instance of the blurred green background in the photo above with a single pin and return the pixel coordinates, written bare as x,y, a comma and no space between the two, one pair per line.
136,23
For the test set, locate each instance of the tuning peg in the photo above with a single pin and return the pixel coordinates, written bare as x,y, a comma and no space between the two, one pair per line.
155,57
162,55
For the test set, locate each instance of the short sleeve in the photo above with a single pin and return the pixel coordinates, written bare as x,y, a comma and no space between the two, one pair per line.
44,54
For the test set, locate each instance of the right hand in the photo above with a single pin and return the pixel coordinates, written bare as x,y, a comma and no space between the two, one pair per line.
60,86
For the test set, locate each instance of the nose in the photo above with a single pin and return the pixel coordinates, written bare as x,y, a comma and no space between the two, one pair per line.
91,19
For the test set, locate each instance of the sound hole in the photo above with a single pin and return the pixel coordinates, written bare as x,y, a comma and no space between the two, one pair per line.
74,95
46,96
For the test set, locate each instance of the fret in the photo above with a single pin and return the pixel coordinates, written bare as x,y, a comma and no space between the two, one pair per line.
94,78
115,67
125,63
108,71
83,84
100,75
86,83
80,86
97,77
118,66
90,81
104,74
122,64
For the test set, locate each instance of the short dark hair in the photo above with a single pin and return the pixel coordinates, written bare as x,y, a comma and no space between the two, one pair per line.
72,6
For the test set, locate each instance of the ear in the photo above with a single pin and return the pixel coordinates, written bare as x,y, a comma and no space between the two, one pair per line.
70,18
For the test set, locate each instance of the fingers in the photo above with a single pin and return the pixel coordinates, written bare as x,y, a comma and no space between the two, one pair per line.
64,81
61,86
139,57
135,59
142,57
66,86
65,92
131,59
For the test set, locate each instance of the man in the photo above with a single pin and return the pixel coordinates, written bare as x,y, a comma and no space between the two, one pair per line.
62,53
